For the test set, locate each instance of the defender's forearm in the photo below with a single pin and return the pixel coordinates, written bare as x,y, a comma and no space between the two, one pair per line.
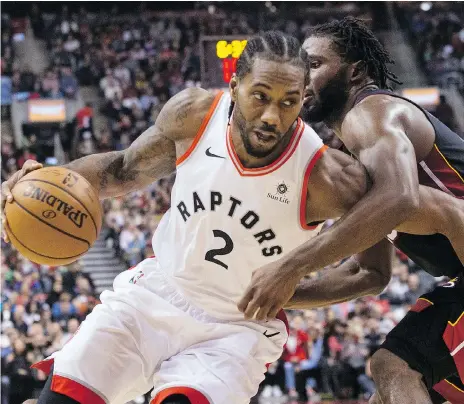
368,222
346,282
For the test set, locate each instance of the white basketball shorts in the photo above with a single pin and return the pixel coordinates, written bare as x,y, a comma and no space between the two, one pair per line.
146,334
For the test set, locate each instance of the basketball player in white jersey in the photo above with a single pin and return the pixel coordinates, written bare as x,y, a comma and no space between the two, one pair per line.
252,183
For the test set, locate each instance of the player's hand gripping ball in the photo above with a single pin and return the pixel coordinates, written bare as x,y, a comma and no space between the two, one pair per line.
54,215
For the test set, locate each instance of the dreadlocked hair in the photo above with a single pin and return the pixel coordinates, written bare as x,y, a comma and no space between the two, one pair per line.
357,42
273,46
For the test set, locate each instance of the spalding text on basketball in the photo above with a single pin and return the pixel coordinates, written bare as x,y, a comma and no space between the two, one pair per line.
74,215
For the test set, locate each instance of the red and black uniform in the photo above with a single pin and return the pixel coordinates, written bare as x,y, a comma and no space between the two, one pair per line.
430,338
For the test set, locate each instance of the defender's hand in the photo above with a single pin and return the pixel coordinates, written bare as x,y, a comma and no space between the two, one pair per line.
269,290
7,186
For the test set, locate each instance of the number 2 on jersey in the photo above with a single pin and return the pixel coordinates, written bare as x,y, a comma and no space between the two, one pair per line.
227,249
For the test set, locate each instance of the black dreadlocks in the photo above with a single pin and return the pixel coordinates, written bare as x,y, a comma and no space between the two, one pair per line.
354,41
274,46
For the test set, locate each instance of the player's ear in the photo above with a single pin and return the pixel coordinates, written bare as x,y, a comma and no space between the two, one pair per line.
358,71
233,84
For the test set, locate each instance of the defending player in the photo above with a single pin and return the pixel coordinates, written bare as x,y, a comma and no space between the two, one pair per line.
401,146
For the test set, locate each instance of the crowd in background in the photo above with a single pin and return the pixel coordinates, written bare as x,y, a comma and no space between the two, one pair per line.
137,66
57,81
437,30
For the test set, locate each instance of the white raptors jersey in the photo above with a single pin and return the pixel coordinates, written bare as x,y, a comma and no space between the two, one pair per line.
226,220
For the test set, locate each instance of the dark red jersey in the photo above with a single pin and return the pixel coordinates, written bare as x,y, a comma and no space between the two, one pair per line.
443,169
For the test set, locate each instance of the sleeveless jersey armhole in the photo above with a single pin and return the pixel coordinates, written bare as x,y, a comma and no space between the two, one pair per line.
304,189
202,129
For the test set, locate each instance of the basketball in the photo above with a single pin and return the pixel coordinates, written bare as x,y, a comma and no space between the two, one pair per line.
55,216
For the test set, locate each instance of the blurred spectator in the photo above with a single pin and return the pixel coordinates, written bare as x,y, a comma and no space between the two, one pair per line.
17,369
84,118
332,368
148,99
309,372
273,384
63,309
71,45
366,382
110,86
6,96
84,141
68,83
37,22
27,80
71,329
353,356
132,244
87,73
23,155
123,74
295,352
50,82
414,290
438,35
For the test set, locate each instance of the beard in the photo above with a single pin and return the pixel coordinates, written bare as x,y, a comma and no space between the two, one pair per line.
328,105
245,131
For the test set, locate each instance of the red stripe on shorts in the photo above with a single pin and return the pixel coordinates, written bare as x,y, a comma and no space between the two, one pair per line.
45,366
72,389
282,317
454,340
193,395
68,387
449,392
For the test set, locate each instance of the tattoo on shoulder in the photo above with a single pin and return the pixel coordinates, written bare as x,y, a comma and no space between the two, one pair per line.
183,112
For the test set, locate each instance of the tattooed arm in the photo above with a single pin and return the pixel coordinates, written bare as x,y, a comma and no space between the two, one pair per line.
150,157
153,154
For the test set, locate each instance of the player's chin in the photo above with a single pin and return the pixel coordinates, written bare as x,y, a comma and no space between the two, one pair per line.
263,146
261,151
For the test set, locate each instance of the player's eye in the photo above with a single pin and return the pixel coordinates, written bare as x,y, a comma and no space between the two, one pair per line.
289,103
259,96
315,64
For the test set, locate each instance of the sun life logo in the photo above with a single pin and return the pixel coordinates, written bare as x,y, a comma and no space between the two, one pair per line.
281,190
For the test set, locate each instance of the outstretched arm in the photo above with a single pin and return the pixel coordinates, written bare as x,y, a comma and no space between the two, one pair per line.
376,134
367,273
150,157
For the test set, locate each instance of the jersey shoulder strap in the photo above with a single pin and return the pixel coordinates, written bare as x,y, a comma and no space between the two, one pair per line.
214,114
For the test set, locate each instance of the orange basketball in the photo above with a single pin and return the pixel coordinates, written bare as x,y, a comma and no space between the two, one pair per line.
55,216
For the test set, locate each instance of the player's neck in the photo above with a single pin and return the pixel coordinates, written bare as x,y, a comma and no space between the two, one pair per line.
249,161
336,123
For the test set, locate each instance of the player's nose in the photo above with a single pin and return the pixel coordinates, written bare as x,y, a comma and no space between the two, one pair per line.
270,116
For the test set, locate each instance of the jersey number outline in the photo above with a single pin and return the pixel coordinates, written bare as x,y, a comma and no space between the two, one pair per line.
227,249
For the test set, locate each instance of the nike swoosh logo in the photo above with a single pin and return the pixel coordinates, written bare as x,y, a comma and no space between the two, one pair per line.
270,335
209,154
